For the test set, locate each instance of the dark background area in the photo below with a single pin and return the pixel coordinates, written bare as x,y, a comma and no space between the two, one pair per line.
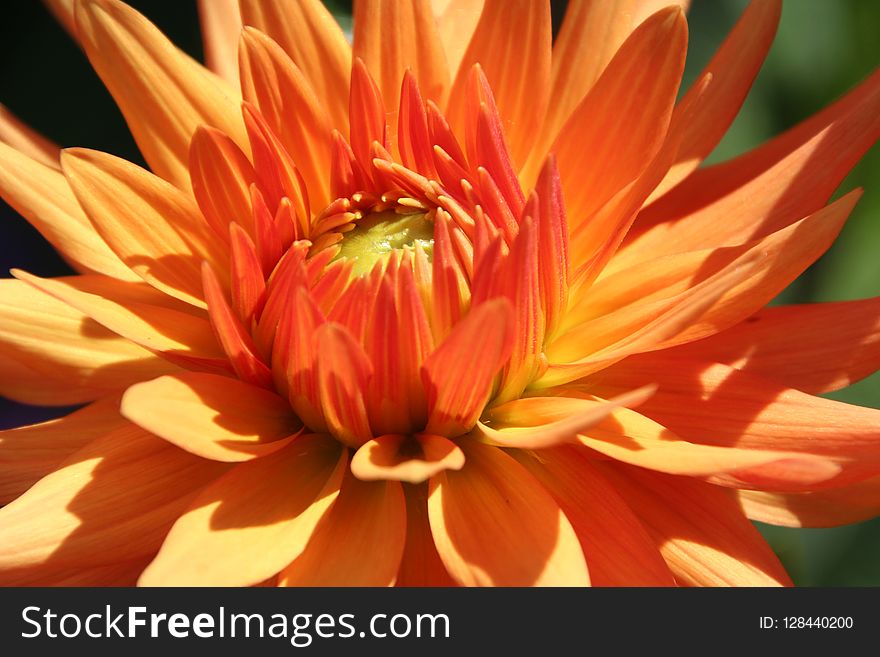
823,48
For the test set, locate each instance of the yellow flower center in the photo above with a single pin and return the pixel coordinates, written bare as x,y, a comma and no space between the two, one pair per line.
378,234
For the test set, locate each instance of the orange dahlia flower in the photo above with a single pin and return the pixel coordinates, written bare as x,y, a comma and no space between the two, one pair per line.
452,305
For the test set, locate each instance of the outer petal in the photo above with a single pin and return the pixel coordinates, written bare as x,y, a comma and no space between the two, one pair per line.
221,24
163,94
361,541
212,416
112,501
618,550
137,313
154,228
42,196
391,37
812,347
51,354
494,524
313,40
252,522
756,272
718,405
699,528
27,141
507,35
456,22
29,453
827,508
638,88
733,68
763,190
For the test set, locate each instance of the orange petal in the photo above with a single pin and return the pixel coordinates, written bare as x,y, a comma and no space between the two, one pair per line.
254,520
30,453
42,196
518,423
812,347
232,335
27,141
699,528
642,327
507,35
115,574
456,21
113,500
314,41
741,280
63,12
763,190
212,416
163,94
590,35
495,525
714,404
638,88
391,37
344,373
272,82
52,354
733,68
361,541
154,228
635,439
826,508
618,550
398,336
486,330
412,459
420,565
182,338
220,21
221,179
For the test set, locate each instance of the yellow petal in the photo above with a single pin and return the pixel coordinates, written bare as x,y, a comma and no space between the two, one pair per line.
134,311
113,500
29,453
518,423
253,521
456,22
154,228
27,141
360,542
163,93
221,24
214,417
42,196
495,525
412,459
52,354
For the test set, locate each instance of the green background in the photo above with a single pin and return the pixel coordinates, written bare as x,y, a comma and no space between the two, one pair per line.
823,48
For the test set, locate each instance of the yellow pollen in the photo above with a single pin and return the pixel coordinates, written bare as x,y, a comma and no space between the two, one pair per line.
378,234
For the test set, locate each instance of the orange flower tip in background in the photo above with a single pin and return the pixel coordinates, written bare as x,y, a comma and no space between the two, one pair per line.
456,304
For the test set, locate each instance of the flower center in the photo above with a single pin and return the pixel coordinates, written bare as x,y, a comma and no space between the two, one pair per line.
374,237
